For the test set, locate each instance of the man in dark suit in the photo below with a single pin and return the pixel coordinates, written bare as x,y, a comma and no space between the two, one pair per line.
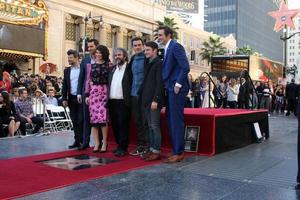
175,77
244,94
87,60
69,95
153,99
119,101
291,93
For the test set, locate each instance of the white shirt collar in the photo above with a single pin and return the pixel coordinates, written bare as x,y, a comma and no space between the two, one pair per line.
167,45
122,67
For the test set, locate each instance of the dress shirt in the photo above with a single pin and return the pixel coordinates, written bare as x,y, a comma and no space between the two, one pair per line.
116,89
52,101
137,73
166,48
75,71
24,107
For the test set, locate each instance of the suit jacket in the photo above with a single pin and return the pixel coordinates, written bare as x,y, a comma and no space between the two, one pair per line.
153,87
291,91
176,67
66,88
126,83
83,75
244,92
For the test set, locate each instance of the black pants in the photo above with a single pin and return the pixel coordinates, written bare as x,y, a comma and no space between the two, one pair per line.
292,106
140,121
76,115
86,126
232,104
243,104
38,121
120,121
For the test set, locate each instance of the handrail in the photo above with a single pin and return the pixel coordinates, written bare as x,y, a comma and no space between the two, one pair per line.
210,80
247,76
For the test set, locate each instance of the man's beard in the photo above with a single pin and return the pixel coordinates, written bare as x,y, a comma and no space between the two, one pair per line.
120,62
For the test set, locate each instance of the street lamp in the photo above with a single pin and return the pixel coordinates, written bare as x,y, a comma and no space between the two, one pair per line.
285,38
86,19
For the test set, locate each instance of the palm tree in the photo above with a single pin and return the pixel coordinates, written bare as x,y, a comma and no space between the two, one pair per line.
167,22
211,48
245,50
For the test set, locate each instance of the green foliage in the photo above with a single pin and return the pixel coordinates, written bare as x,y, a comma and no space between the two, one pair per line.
167,22
211,48
245,50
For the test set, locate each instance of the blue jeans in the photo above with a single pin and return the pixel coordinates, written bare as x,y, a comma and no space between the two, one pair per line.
153,120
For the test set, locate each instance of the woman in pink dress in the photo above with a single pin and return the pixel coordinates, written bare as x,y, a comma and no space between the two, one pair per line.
97,97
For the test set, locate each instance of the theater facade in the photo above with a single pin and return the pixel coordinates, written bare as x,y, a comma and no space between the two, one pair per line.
36,31
23,32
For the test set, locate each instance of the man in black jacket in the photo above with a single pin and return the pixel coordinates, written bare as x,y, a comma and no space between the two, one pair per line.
244,94
153,99
119,81
69,95
291,93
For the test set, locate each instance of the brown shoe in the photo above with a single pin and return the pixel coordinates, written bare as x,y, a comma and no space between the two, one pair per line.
153,156
174,158
145,155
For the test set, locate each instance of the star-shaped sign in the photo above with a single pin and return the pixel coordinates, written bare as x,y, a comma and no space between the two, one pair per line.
284,16
78,162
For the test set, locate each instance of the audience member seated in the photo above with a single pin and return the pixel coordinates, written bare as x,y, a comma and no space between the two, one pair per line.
24,110
51,99
8,115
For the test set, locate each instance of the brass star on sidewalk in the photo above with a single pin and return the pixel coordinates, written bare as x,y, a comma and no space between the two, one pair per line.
78,162
284,16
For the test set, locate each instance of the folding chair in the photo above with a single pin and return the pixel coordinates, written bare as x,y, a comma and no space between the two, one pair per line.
58,114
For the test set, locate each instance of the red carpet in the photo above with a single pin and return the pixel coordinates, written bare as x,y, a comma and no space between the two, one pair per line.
25,176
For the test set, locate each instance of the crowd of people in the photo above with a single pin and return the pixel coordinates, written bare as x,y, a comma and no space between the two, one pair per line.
239,93
98,91
21,97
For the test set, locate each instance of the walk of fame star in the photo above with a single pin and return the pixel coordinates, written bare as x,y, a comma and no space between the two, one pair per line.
284,16
78,162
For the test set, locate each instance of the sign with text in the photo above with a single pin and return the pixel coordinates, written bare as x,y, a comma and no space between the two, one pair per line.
23,12
188,6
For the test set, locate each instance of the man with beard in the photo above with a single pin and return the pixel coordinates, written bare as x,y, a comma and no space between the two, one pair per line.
69,94
175,77
119,100
85,67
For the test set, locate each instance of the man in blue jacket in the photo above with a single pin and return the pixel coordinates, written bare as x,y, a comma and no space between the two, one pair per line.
89,59
175,77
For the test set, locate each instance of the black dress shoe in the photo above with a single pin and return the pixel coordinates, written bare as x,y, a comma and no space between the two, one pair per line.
74,145
120,153
83,147
297,187
115,150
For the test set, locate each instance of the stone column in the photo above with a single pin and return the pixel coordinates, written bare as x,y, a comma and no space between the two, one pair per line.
138,34
80,22
104,30
121,32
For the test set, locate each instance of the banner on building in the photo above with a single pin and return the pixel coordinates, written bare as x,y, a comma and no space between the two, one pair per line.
188,6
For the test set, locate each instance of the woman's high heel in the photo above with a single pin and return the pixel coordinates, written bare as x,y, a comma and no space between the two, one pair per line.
103,150
96,150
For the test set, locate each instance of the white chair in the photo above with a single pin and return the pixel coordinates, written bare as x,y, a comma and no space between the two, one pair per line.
59,115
